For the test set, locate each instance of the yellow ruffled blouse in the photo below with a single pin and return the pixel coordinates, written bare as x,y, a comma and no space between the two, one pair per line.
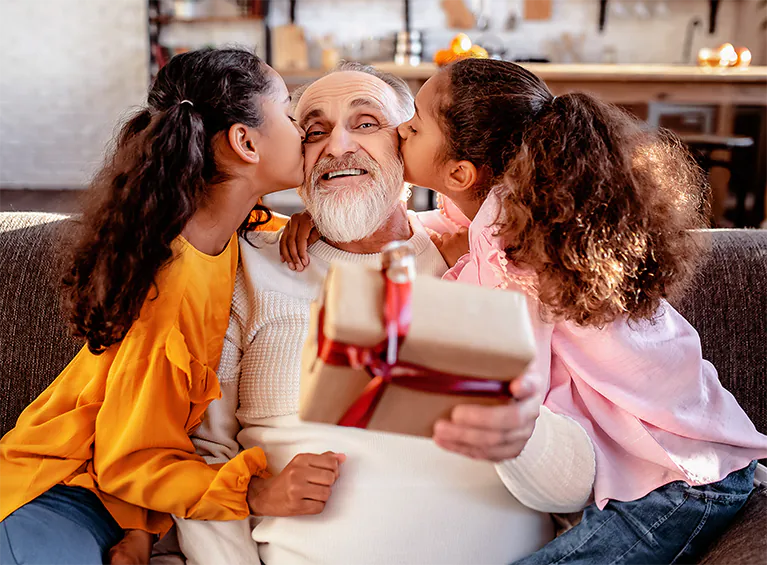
118,423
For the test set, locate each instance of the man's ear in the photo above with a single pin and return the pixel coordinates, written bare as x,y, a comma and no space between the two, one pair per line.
244,142
461,176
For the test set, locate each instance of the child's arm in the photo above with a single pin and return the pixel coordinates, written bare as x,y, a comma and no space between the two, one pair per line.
216,437
447,218
298,235
145,455
452,246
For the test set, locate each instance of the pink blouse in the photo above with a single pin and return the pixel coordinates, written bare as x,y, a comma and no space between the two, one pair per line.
653,407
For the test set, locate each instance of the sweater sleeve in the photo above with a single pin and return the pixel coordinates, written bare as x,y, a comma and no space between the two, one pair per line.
205,542
555,471
215,438
144,455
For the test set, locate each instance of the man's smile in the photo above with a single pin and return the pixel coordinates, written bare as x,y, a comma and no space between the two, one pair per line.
343,173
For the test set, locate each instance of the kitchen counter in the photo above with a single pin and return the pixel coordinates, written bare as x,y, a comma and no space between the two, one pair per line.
664,73
623,84
557,72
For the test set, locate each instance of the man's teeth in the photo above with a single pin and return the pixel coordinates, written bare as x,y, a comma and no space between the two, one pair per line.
346,173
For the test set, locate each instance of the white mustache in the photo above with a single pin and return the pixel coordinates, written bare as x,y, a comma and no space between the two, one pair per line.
356,161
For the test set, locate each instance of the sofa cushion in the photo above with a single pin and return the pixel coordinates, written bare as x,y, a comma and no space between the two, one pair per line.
36,345
727,304
745,542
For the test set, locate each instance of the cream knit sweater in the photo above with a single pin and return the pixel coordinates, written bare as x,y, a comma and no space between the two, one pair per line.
399,499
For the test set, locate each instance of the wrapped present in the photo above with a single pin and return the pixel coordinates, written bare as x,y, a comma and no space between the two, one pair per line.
392,352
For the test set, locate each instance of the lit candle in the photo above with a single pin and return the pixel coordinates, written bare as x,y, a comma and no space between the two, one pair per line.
744,56
727,55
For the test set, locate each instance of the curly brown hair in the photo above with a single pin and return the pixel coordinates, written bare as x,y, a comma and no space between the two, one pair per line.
157,175
597,205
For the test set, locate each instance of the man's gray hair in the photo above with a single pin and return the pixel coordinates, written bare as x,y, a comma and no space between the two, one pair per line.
400,87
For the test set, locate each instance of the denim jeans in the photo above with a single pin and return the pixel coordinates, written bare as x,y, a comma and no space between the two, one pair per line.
66,525
673,524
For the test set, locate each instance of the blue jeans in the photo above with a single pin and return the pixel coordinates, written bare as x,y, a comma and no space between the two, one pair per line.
673,524
66,525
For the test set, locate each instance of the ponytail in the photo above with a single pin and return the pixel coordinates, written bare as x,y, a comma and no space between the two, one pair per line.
135,222
153,183
601,209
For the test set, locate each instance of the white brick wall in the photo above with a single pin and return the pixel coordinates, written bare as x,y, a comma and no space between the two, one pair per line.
657,39
68,70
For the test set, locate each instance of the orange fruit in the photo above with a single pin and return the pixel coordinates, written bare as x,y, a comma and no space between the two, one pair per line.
460,44
444,56
478,52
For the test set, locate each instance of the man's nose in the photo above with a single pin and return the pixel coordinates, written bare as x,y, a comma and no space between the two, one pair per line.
340,142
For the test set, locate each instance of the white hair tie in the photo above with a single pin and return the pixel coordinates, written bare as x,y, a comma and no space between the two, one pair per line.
187,102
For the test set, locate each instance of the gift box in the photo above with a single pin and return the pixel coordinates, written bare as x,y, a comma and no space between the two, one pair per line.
461,344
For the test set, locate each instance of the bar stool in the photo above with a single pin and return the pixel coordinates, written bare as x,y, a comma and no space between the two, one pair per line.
703,145
694,124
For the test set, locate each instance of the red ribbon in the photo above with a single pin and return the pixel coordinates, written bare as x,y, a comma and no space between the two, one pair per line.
382,364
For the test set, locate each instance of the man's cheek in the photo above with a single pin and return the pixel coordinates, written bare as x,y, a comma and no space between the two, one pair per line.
310,158
381,148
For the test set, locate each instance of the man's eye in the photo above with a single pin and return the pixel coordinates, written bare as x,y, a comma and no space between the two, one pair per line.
367,125
315,133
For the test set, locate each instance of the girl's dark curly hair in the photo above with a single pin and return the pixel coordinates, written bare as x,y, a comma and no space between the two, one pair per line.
598,206
156,177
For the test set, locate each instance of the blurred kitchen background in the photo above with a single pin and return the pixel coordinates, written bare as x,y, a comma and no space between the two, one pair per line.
70,69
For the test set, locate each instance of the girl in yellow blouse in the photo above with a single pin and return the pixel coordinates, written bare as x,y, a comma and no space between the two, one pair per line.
106,446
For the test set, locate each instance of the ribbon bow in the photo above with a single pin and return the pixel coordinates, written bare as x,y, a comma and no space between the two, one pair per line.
382,362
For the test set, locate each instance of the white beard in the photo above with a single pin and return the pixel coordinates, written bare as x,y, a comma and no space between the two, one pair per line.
344,215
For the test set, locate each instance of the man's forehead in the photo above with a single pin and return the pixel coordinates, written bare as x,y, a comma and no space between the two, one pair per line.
346,90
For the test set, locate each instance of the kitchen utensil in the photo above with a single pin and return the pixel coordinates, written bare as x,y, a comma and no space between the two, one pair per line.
408,48
512,19
483,20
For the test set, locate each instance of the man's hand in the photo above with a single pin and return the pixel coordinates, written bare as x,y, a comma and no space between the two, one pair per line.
452,246
298,235
492,433
134,549
302,487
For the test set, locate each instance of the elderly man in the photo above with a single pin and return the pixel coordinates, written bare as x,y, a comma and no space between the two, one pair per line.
398,499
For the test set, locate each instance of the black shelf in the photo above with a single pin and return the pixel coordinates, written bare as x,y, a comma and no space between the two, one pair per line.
167,20
159,54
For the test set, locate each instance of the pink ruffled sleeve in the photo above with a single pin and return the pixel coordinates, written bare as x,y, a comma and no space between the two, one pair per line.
447,218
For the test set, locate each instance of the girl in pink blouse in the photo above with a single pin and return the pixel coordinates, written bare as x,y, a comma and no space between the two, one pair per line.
574,203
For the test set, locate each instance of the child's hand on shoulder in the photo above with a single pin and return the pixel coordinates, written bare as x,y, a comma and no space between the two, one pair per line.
298,235
452,246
